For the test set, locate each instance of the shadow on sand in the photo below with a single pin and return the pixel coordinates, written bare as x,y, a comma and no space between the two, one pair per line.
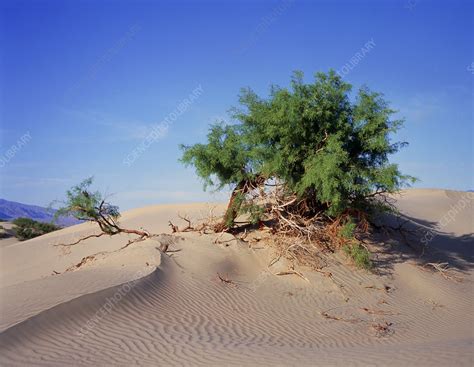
412,239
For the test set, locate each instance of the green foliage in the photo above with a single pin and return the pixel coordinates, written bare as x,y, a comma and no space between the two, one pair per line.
84,204
26,228
3,232
316,140
347,230
359,254
224,158
255,212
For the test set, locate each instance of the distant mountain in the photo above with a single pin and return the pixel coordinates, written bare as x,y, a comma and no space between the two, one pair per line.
10,210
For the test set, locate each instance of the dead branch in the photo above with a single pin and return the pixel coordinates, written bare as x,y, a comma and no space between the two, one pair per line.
138,239
378,312
226,242
386,288
325,273
275,260
174,228
292,272
81,263
339,318
143,235
189,227
226,280
445,271
82,239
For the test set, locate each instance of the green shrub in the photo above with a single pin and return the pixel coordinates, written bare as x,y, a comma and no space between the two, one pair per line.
3,232
86,205
347,230
26,228
359,254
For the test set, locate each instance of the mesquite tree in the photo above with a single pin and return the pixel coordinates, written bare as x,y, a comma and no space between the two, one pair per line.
87,205
332,153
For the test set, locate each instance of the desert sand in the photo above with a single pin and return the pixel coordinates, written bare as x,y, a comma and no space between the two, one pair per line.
213,300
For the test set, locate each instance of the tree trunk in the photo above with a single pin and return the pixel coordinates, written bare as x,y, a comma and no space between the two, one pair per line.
243,187
232,209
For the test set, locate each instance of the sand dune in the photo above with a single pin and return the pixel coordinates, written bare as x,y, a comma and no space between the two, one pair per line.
138,306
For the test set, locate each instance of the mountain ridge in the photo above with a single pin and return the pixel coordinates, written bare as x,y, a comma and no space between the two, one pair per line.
10,210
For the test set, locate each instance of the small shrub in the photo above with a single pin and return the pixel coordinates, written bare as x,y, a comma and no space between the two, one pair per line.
347,230
3,232
84,204
26,228
359,254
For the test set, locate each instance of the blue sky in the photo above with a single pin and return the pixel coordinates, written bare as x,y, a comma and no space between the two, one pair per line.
89,80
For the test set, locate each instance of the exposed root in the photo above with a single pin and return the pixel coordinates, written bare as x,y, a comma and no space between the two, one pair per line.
243,237
445,271
325,273
174,228
380,329
292,272
166,241
84,261
386,288
298,250
378,312
226,280
81,239
225,242
298,228
164,247
189,227
168,251
142,236
139,239
326,315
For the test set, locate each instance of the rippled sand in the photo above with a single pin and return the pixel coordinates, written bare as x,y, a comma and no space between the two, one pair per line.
138,306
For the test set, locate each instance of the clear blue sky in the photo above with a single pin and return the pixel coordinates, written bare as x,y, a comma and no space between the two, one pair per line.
88,80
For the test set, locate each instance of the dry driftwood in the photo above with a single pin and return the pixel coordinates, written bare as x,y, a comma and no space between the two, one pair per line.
327,315
81,239
84,261
292,272
378,312
445,271
226,280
